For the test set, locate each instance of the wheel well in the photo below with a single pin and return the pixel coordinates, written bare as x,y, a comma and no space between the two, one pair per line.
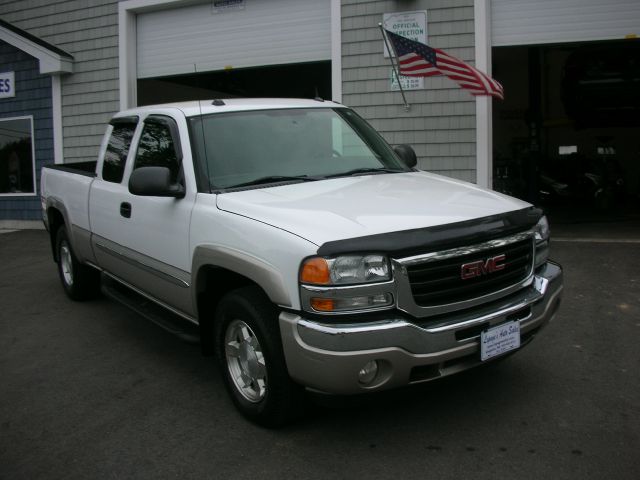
55,220
213,283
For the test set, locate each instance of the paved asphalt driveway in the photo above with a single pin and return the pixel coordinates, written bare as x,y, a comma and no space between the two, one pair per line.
90,390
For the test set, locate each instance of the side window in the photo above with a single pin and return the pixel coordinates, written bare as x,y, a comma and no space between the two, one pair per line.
115,157
156,148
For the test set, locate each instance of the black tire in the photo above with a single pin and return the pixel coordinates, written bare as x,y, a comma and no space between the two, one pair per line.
80,282
269,397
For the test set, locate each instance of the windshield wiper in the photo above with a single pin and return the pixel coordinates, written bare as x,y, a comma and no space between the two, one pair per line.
275,179
360,171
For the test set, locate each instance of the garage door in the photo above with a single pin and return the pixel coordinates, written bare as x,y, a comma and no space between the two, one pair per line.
251,33
528,22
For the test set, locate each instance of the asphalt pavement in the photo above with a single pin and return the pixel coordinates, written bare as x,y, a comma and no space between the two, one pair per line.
91,390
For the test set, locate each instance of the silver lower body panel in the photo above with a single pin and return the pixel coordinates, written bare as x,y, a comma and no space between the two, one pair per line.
327,357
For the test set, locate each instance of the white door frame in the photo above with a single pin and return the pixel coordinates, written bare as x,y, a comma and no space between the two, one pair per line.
484,124
127,11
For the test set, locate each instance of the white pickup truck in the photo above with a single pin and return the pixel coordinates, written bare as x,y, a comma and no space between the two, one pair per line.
296,244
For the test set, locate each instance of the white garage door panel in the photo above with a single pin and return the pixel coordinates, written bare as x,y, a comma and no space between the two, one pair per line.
522,22
266,32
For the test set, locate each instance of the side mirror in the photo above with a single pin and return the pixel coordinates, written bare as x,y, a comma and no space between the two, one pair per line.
407,155
154,182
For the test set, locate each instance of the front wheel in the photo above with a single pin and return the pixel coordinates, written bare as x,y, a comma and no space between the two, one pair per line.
249,349
80,282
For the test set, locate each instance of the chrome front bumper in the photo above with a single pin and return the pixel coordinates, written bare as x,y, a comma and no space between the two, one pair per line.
327,357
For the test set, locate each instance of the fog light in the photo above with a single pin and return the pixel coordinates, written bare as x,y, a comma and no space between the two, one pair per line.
368,373
322,304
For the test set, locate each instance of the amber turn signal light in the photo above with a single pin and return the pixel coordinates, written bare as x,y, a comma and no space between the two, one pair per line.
315,271
323,304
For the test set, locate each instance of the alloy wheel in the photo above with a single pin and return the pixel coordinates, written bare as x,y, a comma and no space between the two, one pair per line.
245,361
66,263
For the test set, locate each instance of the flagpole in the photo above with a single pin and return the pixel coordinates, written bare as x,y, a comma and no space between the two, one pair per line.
407,107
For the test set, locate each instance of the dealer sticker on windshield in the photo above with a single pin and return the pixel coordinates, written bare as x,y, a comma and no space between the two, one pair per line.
499,340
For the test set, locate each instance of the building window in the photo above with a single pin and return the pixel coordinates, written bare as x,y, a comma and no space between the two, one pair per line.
17,159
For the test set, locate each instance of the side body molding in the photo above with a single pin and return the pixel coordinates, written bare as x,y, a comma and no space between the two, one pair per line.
256,269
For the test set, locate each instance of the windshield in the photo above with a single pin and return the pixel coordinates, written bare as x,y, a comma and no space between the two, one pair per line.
268,146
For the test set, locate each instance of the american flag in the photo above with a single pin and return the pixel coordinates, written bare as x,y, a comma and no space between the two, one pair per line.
419,60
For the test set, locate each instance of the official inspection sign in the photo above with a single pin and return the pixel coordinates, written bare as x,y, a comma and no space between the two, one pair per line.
411,25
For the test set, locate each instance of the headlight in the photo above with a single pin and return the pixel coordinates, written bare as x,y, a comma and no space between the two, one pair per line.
345,270
542,229
541,233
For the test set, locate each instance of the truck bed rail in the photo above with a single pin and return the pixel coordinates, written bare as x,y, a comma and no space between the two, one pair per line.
87,169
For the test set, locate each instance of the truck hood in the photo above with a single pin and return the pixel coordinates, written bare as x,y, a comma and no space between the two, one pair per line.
350,207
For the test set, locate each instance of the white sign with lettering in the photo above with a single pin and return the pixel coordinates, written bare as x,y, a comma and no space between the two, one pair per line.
412,25
408,83
7,85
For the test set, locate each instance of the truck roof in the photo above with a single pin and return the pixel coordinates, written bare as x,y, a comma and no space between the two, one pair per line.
205,107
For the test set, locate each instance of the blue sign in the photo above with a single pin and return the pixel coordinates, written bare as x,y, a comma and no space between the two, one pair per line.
7,85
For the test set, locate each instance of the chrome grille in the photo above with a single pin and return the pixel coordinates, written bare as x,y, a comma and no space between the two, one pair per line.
437,280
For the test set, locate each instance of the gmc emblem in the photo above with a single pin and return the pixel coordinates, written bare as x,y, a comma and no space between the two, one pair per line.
482,267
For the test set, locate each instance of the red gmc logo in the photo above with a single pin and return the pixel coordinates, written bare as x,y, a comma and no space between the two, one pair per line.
482,267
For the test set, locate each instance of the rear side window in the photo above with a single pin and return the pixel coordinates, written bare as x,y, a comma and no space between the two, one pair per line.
115,156
156,148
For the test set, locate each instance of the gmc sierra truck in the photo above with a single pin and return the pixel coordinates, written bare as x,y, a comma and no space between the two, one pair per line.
296,245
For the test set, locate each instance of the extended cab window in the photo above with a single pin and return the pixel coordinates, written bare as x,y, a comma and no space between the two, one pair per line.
115,156
156,148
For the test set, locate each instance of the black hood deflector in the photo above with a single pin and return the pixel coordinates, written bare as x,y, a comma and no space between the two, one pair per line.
441,237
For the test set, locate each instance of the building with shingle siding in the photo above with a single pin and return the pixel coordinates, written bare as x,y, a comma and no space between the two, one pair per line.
26,119
77,62
440,124
34,98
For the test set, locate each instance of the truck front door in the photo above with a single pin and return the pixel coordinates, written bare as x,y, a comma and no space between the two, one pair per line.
144,240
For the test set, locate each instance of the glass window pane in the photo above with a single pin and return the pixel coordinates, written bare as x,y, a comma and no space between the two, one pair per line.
156,149
245,146
16,156
115,156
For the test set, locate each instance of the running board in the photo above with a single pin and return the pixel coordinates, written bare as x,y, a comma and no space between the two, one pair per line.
162,317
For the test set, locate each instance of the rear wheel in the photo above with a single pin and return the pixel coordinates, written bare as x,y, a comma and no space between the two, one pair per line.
249,349
80,282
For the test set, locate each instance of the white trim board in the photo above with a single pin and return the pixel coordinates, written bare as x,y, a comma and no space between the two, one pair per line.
484,105
127,38
56,113
9,226
336,51
48,60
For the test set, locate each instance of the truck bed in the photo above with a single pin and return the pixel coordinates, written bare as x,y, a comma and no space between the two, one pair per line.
68,185
87,169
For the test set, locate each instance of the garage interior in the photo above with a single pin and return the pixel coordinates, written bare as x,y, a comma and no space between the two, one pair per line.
566,135
297,80
204,50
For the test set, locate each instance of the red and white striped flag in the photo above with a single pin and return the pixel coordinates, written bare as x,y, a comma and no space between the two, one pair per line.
419,60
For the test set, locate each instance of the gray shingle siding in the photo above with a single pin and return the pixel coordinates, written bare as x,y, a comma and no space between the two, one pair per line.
441,123
33,98
88,30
